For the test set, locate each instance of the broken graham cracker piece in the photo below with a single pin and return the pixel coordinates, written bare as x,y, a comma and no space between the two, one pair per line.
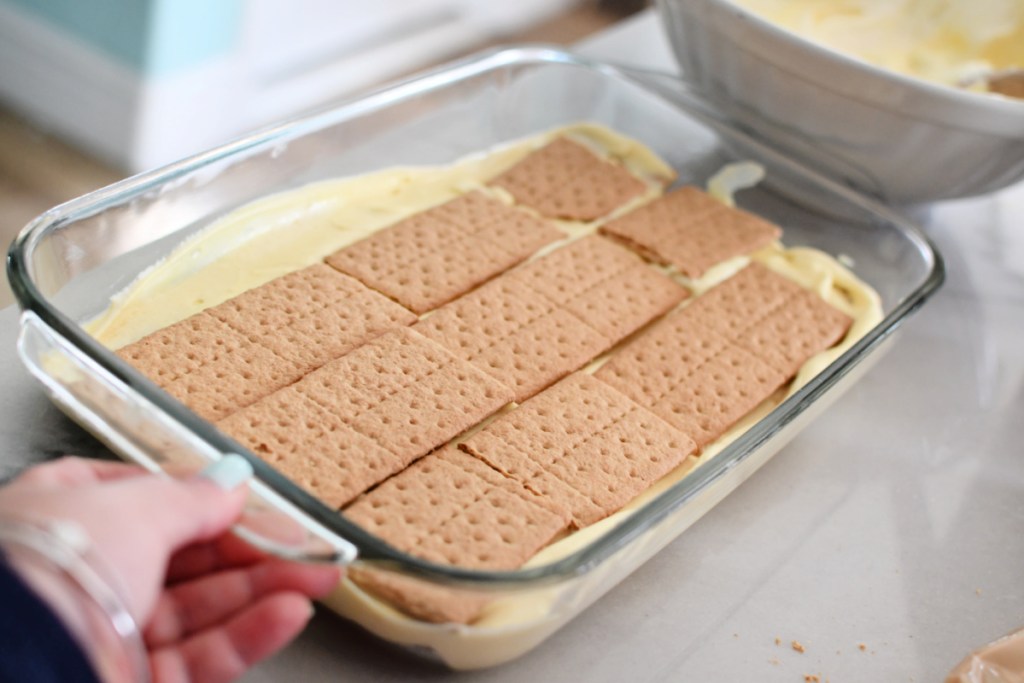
369,414
707,365
231,355
312,315
565,179
208,366
691,230
432,257
582,445
551,316
451,508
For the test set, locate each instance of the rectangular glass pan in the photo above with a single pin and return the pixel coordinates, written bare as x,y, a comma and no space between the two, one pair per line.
68,263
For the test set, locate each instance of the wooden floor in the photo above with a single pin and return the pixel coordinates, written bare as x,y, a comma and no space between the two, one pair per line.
38,171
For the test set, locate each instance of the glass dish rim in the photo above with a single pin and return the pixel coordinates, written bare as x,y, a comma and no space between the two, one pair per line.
371,548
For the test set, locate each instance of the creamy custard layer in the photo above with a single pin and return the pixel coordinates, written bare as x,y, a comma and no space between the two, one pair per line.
287,231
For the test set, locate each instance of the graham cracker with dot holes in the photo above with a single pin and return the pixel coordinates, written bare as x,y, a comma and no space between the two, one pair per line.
451,508
551,316
603,285
707,365
208,366
312,315
565,179
691,230
434,256
583,446
367,414
229,356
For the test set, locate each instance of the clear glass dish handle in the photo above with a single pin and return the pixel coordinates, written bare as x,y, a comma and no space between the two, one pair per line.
141,433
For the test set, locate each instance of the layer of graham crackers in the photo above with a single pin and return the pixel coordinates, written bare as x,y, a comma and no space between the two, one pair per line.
576,451
583,445
549,317
367,415
433,257
708,364
565,179
691,230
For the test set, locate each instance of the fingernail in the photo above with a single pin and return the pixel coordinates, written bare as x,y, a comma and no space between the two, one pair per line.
230,472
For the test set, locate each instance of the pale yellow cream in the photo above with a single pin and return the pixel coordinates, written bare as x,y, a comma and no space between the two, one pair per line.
287,231
946,41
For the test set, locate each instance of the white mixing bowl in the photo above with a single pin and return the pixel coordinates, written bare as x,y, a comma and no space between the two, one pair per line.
899,138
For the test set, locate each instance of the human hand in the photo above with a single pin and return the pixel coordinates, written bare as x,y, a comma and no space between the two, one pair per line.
209,605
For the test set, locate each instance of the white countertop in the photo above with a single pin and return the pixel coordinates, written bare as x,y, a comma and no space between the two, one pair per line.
895,520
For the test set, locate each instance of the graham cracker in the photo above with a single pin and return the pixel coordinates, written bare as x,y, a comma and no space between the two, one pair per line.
181,348
451,508
718,394
602,284
311,446
707,365
229,356
551,316
691,230
312,315
371,412
582,445
565,179
435,256
525,344
420,598
208,366
791,334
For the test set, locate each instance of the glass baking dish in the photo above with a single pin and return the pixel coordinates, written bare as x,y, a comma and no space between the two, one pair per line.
67,265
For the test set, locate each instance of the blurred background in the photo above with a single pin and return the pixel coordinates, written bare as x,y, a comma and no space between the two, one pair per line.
91,92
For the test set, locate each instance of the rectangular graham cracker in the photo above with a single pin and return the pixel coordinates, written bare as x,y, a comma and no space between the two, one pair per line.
565,179
312,315
691,230
439,254
549,317
582,445
707,365
451,508
371,412
233,354
208,366
791,334
602,284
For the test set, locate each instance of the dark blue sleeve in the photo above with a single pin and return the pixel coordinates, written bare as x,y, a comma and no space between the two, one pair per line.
35,647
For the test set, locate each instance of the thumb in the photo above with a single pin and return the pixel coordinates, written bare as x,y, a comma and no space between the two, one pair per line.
196,509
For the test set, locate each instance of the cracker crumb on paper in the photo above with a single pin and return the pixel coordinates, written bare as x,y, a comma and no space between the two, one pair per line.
798,646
